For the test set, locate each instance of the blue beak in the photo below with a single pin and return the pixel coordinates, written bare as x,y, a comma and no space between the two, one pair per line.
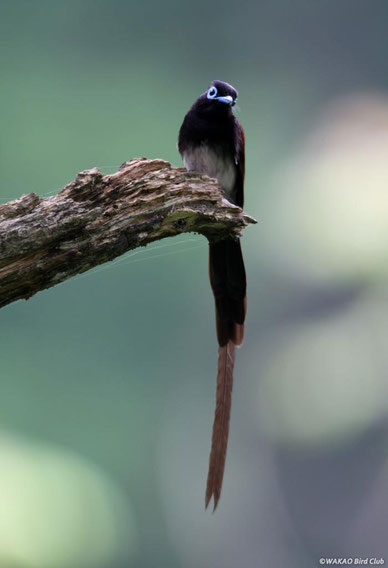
228,100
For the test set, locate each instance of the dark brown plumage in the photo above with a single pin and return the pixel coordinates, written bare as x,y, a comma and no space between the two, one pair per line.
221,423
211,140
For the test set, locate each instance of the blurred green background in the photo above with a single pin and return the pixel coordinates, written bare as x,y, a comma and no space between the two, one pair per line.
108,380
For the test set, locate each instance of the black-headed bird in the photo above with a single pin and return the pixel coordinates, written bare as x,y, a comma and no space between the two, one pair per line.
211,141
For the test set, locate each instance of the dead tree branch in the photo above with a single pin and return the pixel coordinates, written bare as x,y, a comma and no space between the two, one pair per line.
99,217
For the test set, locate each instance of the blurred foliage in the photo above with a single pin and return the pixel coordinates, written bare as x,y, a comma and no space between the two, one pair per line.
114,371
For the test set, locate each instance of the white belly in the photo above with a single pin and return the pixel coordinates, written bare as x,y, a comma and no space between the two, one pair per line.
208,161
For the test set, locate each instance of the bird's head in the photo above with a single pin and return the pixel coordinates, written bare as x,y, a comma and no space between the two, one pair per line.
217,100
221,93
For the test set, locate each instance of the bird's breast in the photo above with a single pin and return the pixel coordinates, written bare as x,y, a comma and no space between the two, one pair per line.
213,162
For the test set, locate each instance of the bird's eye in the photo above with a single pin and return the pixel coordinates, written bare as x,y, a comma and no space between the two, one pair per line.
212,93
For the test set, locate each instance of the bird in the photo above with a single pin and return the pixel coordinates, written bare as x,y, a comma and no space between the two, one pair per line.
212,141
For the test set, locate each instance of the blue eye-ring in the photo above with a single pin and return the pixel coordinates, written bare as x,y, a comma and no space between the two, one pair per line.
212,93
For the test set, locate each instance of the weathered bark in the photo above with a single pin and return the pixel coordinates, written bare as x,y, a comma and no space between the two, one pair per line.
97,218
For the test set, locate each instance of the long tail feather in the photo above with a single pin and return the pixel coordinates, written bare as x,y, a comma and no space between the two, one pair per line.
221,422
228,282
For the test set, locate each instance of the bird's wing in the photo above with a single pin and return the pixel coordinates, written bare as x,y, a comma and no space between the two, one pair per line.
239,147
